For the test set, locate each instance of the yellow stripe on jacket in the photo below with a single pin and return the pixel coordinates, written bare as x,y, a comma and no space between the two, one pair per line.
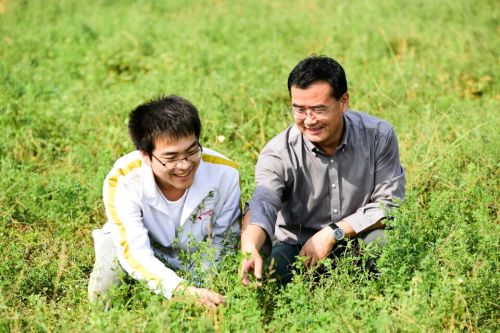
113,183
219,160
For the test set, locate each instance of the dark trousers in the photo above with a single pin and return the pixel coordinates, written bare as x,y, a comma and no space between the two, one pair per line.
284,255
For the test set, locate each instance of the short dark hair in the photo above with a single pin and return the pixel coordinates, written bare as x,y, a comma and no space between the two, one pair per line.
165,117
318,68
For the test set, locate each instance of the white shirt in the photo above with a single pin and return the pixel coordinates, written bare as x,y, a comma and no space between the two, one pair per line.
175,207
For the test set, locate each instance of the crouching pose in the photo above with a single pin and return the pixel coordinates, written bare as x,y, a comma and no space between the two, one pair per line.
160,199
334,174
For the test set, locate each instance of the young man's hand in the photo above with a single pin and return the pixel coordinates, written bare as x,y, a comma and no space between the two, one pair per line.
205,296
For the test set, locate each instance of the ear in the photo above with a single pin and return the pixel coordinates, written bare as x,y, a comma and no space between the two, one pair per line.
344,100
145,157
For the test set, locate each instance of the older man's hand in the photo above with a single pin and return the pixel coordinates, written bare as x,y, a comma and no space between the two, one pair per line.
318,246
251,263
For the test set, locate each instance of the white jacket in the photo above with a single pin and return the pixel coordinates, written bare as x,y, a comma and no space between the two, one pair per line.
141,226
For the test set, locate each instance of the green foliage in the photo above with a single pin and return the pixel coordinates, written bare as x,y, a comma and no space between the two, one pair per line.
71,72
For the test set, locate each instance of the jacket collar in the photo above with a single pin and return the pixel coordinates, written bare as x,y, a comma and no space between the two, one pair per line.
197,192
202,184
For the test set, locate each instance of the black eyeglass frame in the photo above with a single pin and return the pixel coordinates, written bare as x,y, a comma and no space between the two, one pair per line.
179,160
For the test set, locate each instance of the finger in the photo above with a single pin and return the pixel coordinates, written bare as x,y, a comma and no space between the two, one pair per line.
314,260
257,268
304,250
207,303
208,298
307,260
214,298
246,266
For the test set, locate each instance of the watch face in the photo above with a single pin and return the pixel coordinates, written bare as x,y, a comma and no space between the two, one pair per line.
338,234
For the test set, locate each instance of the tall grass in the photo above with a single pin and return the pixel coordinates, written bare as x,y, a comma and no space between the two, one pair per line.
70,72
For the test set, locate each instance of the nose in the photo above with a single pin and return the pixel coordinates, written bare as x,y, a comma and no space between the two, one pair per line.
183,164
309,119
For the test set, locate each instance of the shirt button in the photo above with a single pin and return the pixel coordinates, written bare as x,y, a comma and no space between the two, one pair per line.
335,211
334,186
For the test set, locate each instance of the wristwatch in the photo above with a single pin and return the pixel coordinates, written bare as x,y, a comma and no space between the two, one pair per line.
337,233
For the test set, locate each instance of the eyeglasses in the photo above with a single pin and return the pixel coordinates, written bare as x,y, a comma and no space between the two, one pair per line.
318,112
191,157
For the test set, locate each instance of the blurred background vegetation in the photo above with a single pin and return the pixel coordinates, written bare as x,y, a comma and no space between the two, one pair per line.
70,72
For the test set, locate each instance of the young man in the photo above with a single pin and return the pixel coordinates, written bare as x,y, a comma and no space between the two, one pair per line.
161,198
332,175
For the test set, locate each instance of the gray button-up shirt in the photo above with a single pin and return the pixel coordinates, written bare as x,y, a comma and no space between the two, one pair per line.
300,190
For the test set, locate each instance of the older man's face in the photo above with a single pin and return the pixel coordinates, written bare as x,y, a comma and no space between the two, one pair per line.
318,115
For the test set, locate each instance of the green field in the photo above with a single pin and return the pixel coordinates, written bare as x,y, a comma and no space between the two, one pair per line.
70,72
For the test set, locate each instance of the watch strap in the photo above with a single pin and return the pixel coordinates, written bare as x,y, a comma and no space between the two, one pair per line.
338,234
333,225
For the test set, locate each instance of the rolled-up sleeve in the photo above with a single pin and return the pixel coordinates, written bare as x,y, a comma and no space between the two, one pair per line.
269,186
389,187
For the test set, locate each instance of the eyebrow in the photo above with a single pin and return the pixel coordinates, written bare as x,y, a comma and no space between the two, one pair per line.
175,153
311,107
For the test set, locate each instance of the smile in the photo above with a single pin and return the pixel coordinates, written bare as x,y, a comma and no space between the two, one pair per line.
314,130
183,175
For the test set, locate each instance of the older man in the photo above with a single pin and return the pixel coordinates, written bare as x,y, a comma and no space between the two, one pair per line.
334,174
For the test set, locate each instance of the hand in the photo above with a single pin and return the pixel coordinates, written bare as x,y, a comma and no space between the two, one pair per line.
205,296
318,246
252,263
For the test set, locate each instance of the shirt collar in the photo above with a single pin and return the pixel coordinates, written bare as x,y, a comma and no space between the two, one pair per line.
343,144
347,133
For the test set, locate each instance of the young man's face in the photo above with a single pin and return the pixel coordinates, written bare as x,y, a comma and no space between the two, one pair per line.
323,128
174,163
